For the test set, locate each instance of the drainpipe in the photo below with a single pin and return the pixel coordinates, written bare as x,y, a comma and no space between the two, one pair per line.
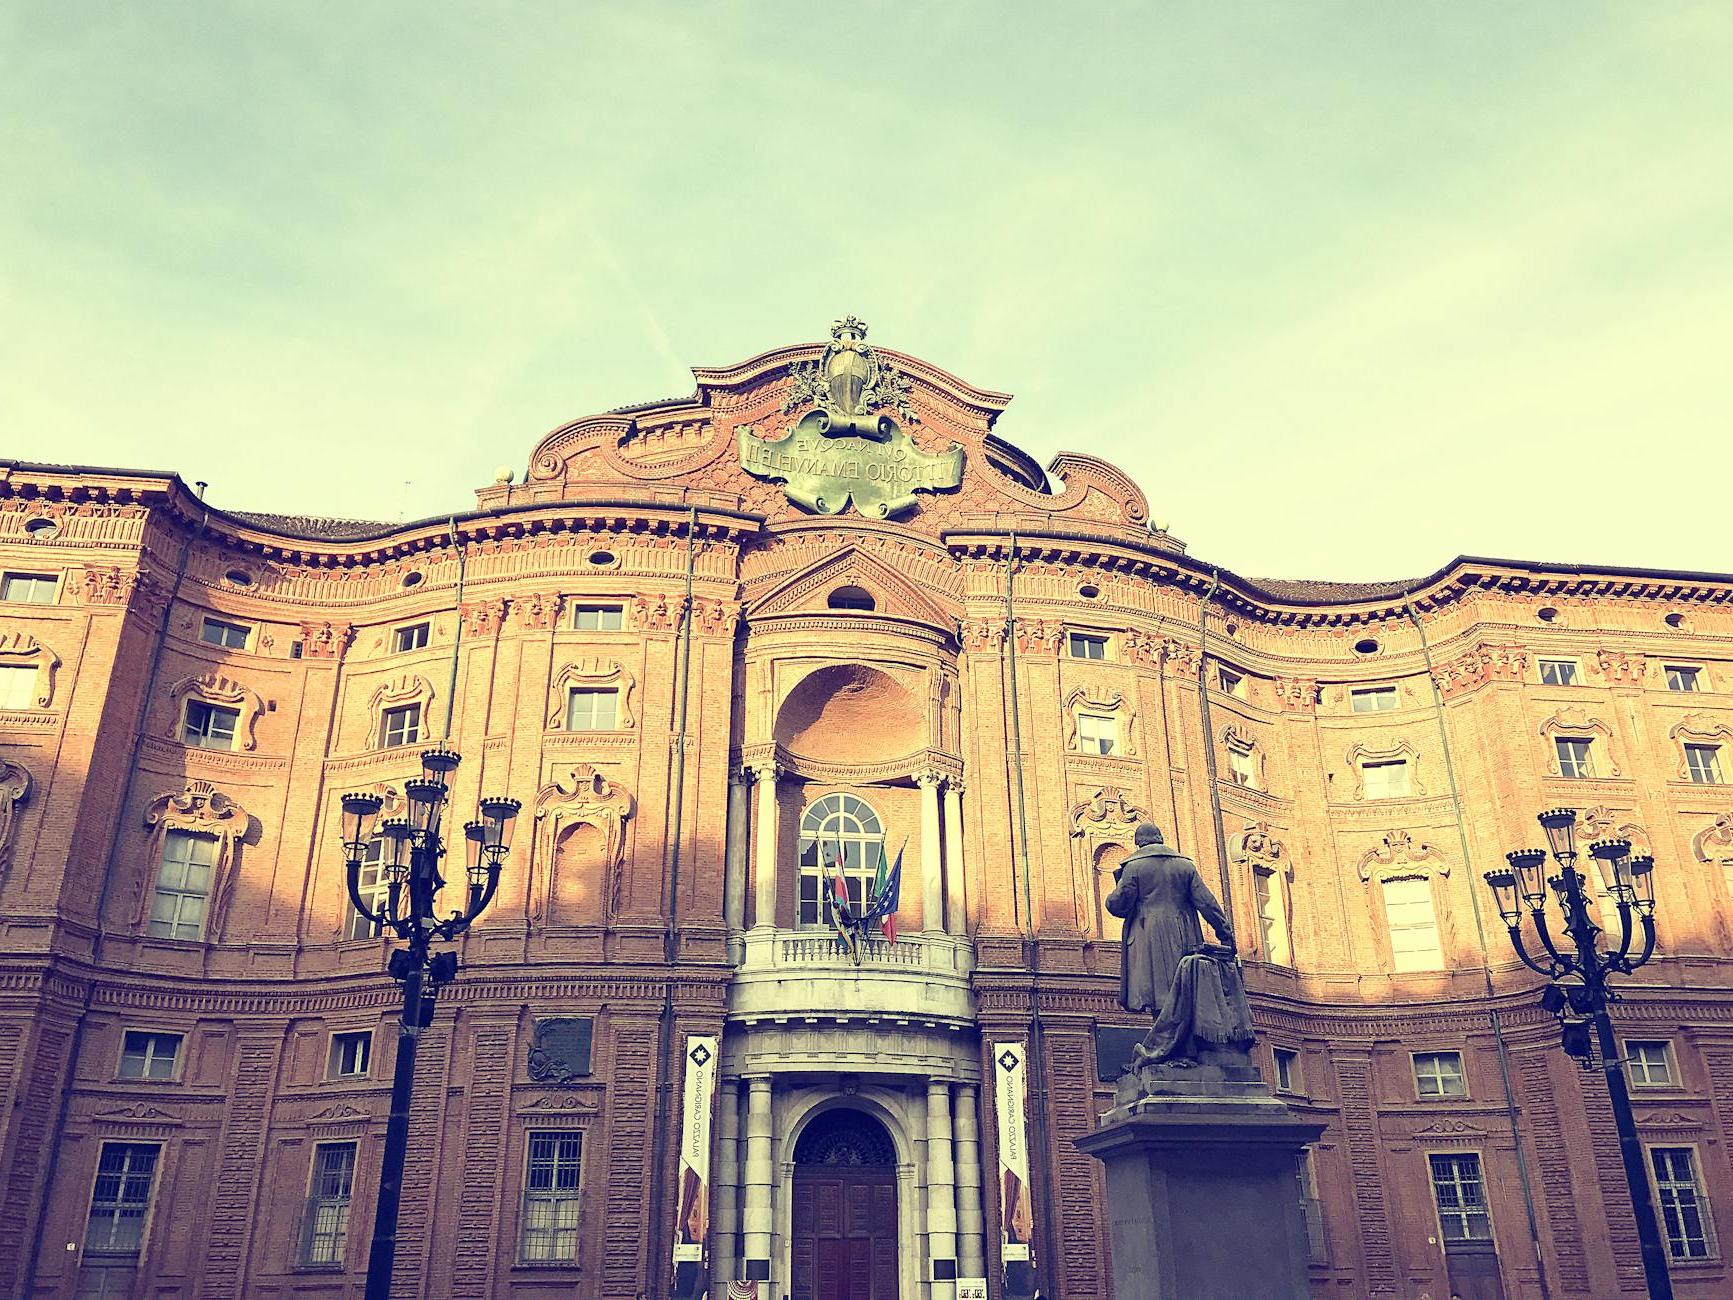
1209,744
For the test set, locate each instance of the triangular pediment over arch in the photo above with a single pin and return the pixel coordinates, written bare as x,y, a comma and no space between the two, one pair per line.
894,596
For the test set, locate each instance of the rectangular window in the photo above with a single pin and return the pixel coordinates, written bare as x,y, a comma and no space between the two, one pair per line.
1287,1069
121,1198
375,889
1097,734
592,710
231,636
1703,764
1683,678
146,1055
550,1208
1272,916
17,687
1232,683
400,726
29,588
598,618
1575,756
1650,1064
210,726
333,1184
413,637
1684,1211
1413,926
1085,645
1558,672
1387,780
351,1054
1439,1074
183,885
1313,1207
1461,1195
1373,699
1243,767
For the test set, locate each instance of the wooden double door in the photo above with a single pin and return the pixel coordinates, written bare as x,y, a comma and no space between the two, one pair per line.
845,1233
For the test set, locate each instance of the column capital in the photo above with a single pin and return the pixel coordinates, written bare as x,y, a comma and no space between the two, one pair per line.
929,778
763,769
741,775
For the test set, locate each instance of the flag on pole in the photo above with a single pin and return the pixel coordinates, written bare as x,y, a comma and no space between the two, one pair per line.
888,894
841,913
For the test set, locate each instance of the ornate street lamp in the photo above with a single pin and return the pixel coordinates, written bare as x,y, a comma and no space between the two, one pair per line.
412,853
1578,992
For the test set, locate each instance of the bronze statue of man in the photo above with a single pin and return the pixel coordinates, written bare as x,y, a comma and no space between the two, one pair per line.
1193,988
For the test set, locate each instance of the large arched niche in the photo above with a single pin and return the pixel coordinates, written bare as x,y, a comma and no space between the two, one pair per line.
850,713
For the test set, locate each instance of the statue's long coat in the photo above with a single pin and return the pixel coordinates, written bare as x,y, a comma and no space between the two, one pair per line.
1160,895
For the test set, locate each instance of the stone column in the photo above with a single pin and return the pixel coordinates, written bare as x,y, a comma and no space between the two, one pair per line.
956,902
932,855
971,1221
734,864
941,1193
755,1218
725,1221
768,817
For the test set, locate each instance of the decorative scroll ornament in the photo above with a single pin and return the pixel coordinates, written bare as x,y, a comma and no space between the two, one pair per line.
1106,812
214,688
14,794
583,796
1713,845
1258,846
1397,855
582,673
199,809
27,651
846,448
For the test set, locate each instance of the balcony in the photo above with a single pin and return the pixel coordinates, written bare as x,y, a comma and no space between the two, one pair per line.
805,976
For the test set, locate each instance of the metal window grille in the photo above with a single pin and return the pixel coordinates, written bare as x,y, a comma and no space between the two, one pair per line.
210,726
1703,764
145,1055
1684,1212
375,888
1461,1197
183,885
1313,1208
29,588
120,1198
1439,1074
1558,672
1575,756
598,618
550,1205
402,726
592,710
1650,1064
1375,699
1097,734
1413,926
17,687
328,1200
837,824
1681,678
231,636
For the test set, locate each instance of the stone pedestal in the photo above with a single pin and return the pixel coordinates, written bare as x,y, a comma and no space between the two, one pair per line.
1203,1193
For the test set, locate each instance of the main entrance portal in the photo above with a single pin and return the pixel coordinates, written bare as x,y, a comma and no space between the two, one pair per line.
845,1210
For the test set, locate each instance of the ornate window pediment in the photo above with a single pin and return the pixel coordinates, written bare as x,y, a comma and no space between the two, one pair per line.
1257,846
14,794
1574,721
1713,845
21,650
1085,702
1245,757
1698,728
592,674
1399,856
1362,756
1106,812
214,688
199,809
582,796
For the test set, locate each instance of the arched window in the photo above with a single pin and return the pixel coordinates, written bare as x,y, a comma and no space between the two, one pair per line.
838,825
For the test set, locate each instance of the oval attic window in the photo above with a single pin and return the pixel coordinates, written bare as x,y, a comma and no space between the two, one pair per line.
1089,591
1366,646
852,598
240,577
601,558
412,580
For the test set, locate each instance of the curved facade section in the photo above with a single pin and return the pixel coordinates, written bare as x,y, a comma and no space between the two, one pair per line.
662,646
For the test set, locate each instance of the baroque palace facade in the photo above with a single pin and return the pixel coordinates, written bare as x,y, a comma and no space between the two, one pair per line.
817,607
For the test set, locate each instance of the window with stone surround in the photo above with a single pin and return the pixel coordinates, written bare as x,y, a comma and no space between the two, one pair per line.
598,618
375,884
1684,1210
837,827
148,1054
1269,893
351,1054
1575,756
1558,672
330,1189
1459,1189
1649,1063
1232,683
1439,1075
18,686
1387,779
412,636
1086,645
552,1182
1684,677
1373,699
1097,733
1703,764
220,632
209,726
592,709
1413,925
400,726
1287,1064
120,1198
183,885
29,588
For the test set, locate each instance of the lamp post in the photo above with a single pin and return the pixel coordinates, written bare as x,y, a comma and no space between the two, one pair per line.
413,850
1579,992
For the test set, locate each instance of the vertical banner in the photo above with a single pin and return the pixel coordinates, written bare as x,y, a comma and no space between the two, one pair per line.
1016,1204
692,1198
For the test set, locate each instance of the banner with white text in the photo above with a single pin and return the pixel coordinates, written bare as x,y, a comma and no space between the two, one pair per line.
693,1196
1016,1200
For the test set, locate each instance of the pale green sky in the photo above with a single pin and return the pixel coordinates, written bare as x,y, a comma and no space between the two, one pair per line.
1349,288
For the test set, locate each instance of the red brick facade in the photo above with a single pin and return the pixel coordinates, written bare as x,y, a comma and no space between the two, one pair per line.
1356,825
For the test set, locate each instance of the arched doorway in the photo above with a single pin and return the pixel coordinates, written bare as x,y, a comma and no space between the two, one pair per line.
845,1210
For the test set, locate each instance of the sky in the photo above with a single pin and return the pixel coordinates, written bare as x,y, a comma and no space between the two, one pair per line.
1349,289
